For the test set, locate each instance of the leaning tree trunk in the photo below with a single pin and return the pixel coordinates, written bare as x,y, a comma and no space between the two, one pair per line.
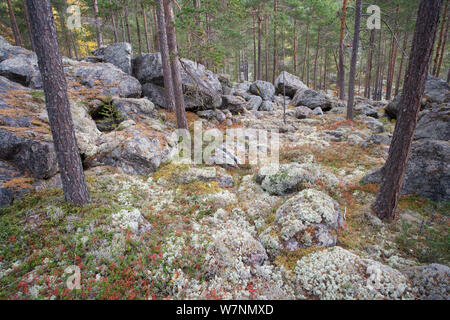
351,80
97,24
341,80
175,65
14,27
165,57
57,101
416,75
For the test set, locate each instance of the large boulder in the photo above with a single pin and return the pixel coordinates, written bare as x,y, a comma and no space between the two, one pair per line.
433,281
119,54
427,171
264,89
310,218
437,91
22,67
311,99
434,123
201,87
233,103
253,103
154,93
288,83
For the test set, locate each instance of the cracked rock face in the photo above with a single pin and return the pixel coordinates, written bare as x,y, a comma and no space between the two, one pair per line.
310,218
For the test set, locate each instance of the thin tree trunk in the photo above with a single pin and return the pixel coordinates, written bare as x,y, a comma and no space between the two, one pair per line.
122,23
392,60
113,21
27,16
165,57
156,39
400,71
138,29
441,36
266,36
259,46
175,64
127,23
377,79
147,36
97,24
438,72
316,57
394,170
369,64
275,9
351,80
14,27
341,81
255,72
57,102
295,46
306,51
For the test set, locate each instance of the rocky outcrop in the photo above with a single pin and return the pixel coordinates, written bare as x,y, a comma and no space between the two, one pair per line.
119,54
201,87
289,84
434,123
427,171
264,89
432,281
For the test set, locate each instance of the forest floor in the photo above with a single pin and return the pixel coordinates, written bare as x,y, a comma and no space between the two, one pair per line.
162,236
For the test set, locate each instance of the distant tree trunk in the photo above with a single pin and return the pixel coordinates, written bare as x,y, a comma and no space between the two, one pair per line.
156,39
259,46
127,23
394,169
306,52
275,9
266,36
147,37
295,46
316,58
325,70
74,44
448,75
122,23
400,71
175,64
165,57
351,80
57,101
114,25
392,60
27,16
383,64
377,78
61,7
14,27
255,72
438,71
341,81
97,24
441,36
369,64
138,29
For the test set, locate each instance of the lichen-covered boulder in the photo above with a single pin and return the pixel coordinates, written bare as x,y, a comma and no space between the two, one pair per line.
289,84
311,99
338,274
233,103
310,218
289,178
432,281
155,94
119,54
434,124
253,103
264,89
267,106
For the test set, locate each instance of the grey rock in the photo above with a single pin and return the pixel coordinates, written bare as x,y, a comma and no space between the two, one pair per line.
155,93
119,54
134,109
374,125
267,106
318,111
367,109
253,103
434,124
311,99
264,89
302,112
234,104
288,83
433,281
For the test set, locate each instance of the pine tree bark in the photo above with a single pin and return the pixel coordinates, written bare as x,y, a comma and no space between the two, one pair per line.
255,71
351,80
394,169
316,58
57,101
175,65
138,28
438,71
275,9
147,36
441,36
127,23
294,36
369,64
27,16
341,80
14,27
97,24
305,59
259,46
377,78
266,36
165,56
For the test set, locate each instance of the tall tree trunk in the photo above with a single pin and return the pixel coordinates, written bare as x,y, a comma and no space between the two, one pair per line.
127,23
341,81
175,64
351,80
305,59
165,57
441,36
259,46
114,25
369,64
61,7
14,27
400,71
394,170
156,40
266,36
316,58
295,46
438,71
275,9
255,72
383,64
392,60
97,24
138,28
122,24
377,78
57,102
27,16
147,36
